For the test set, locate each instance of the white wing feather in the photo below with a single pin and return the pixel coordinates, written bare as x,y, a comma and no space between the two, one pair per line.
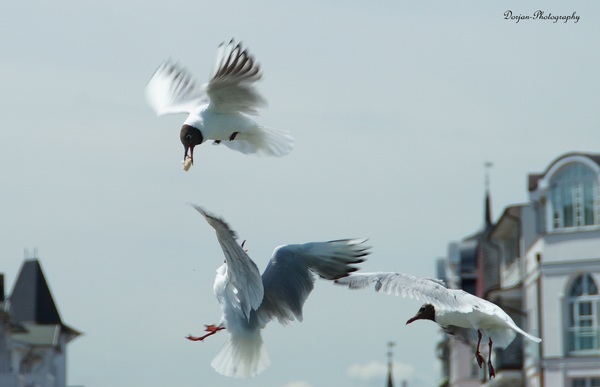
428,290
288,278
172,90
230,88
244,288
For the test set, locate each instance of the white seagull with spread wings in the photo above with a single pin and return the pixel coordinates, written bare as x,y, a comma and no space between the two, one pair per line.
448,307
250,301
218,110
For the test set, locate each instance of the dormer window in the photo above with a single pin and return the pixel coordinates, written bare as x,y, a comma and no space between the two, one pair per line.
573,197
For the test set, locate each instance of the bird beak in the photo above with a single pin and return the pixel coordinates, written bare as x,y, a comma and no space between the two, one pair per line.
412,320
185,155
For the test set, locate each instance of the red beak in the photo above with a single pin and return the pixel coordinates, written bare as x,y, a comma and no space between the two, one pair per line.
411,320
191,148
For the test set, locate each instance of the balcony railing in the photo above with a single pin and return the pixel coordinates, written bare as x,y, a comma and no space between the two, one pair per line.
583,340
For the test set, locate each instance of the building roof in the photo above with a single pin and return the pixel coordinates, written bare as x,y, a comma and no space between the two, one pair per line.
468,253
31,300
534,178
469,245
509,214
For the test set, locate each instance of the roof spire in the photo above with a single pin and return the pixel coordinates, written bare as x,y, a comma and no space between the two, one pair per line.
390,354
487,165
488,206
27,256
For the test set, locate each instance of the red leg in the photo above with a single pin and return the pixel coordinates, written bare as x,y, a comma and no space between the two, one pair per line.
233,135
490,366
478,356
243,243
211,329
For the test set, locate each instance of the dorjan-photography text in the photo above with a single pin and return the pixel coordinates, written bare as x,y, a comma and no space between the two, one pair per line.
541,15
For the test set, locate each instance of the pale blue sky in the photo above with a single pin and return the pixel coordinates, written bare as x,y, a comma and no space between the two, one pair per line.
394,108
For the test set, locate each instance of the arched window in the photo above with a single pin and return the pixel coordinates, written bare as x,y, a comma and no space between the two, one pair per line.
583,309
574,197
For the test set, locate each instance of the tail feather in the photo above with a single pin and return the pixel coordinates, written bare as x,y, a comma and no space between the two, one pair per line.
500,337
530,337
527,335
263,142
242,356
504,336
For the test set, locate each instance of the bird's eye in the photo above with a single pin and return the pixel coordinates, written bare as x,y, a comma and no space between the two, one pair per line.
188,137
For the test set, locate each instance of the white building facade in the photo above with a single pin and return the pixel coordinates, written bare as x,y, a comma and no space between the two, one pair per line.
33,338
562,273
540,262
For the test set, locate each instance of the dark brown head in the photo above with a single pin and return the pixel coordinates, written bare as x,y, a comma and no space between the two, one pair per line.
427,312
190,137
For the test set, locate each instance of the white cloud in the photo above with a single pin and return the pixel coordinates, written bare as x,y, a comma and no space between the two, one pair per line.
378,370
367,371
298,383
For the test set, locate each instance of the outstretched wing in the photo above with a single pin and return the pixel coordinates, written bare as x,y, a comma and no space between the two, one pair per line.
288,279
230,87
172,90
428,290
243,288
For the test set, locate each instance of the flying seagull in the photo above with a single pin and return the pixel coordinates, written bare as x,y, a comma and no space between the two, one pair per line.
219,109
250,301
451,308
